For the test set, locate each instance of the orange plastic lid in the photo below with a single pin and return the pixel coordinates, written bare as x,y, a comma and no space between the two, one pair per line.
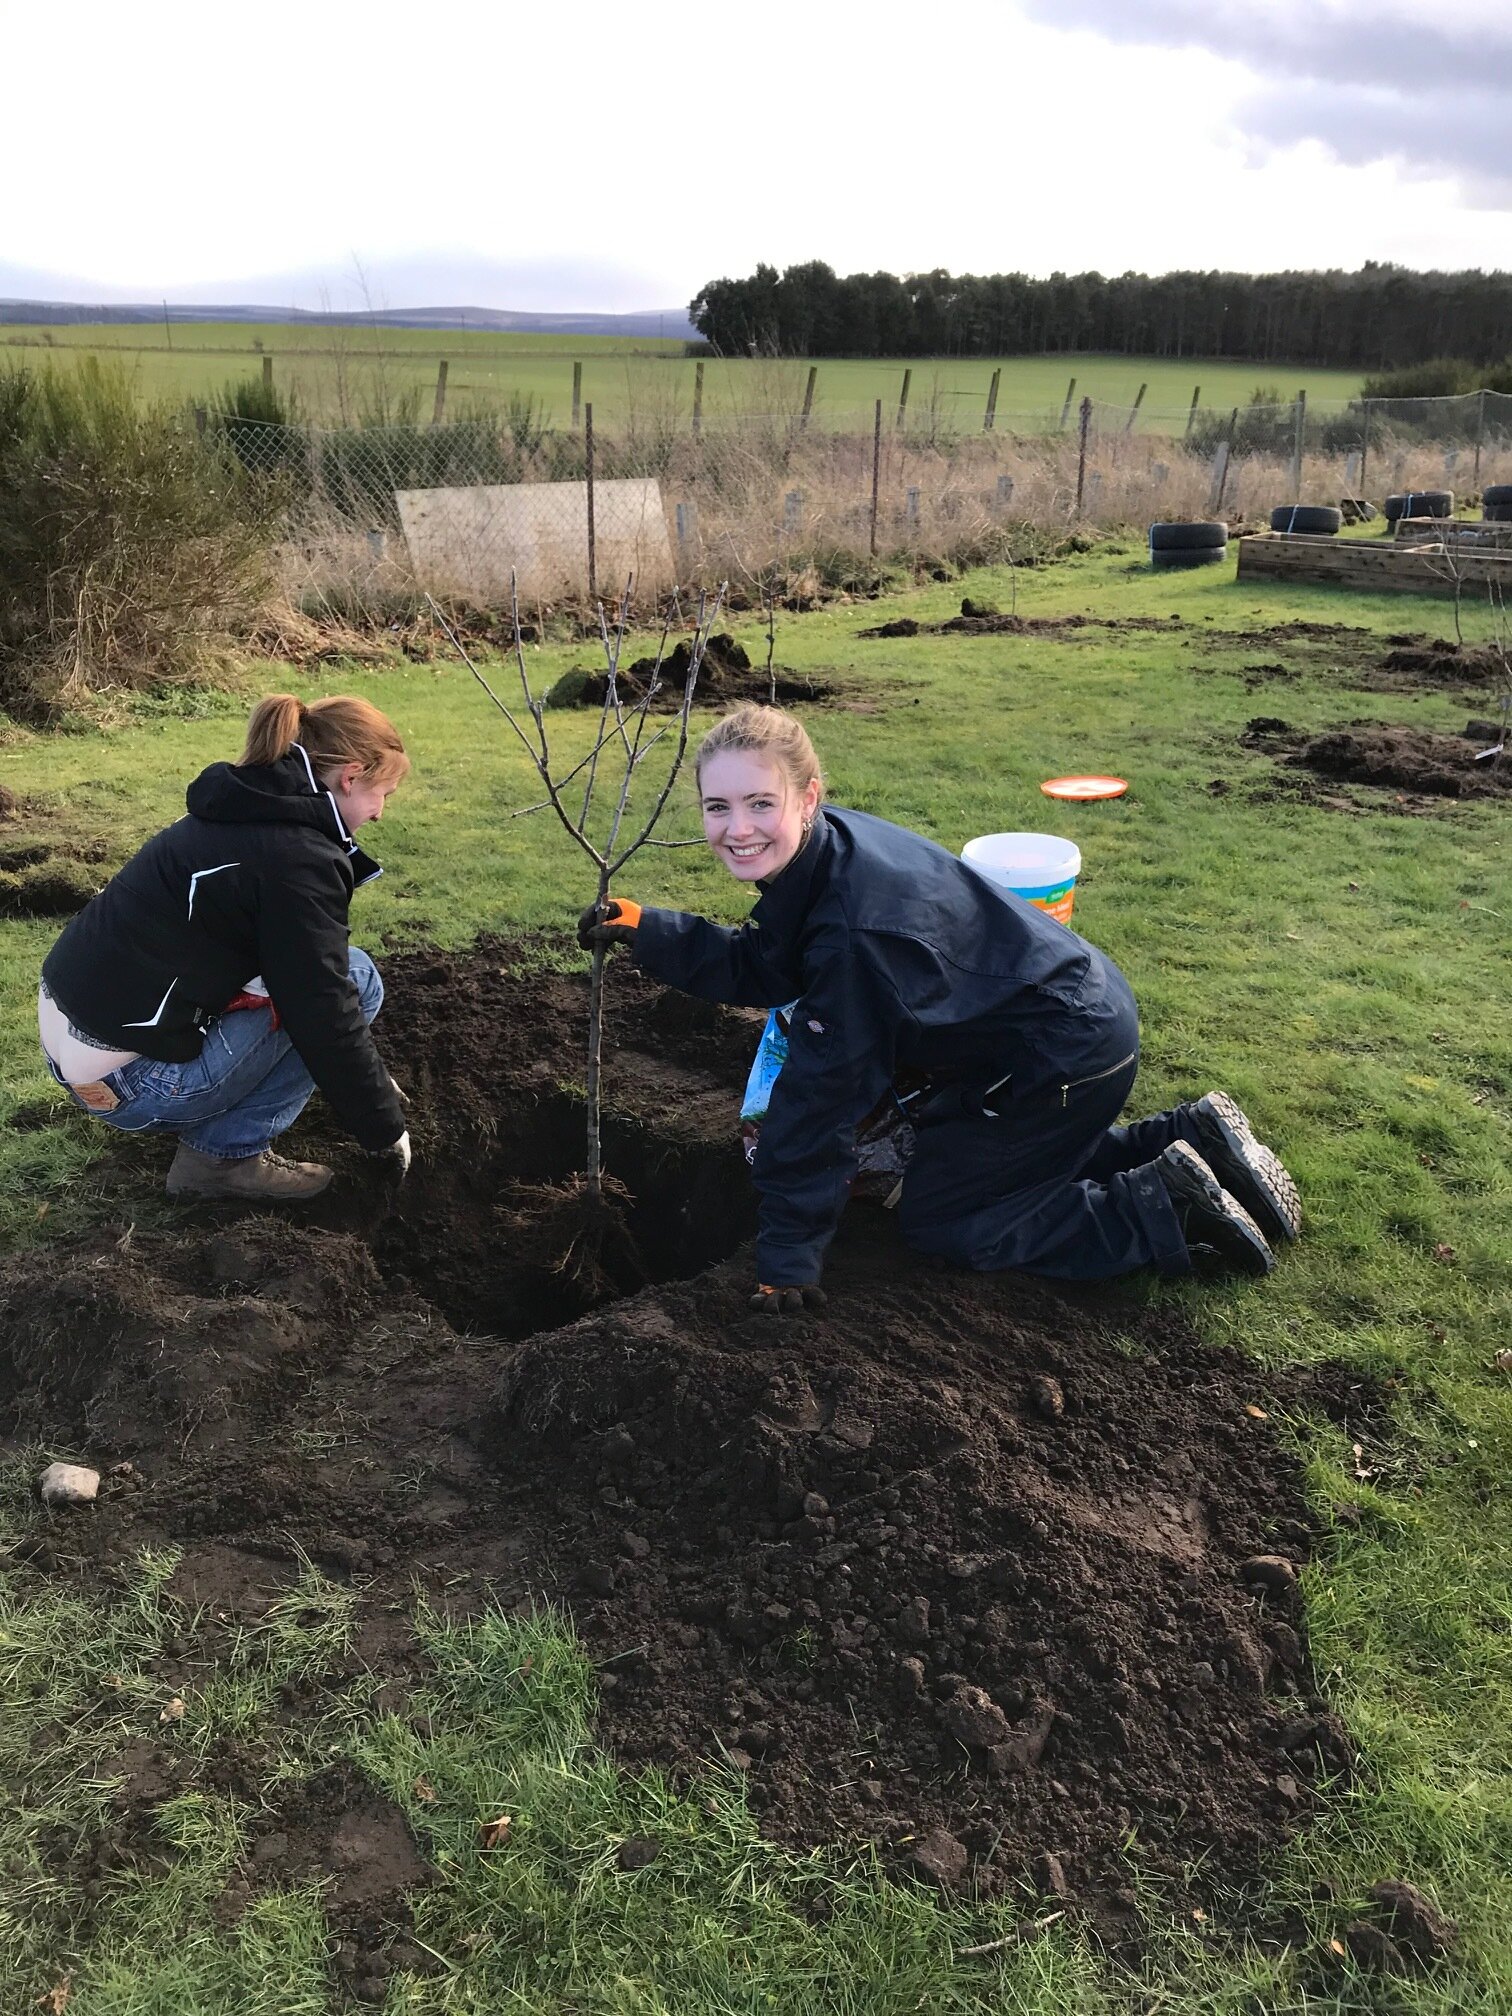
1085,787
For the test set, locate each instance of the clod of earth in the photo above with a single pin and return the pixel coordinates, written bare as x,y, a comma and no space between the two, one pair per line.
1411,759
918,1556
727,675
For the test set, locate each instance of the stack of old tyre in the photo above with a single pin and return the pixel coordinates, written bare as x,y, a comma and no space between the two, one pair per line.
1496,504
1194,543
1418,504
1309,518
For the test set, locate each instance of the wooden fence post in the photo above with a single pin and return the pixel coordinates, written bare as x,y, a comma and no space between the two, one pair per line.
992,392
592,544
1220,476
1081,456
440,413
268,371
1192,411
1480,435
1066,406
1134,409
577,395
698,399
201,418
1297,444
903,399
808,398
1364,445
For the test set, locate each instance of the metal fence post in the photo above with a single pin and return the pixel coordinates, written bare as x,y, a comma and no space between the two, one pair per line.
592,544
1081,453
876,476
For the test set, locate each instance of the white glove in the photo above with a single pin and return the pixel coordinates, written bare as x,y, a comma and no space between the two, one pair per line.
396,1158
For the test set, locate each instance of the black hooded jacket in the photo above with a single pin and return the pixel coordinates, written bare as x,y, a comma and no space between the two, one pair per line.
255,881
898,956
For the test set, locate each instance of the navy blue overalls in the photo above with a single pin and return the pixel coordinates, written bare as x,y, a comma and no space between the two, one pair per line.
902,959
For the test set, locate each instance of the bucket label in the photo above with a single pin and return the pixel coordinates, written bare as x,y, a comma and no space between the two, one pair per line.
1057,899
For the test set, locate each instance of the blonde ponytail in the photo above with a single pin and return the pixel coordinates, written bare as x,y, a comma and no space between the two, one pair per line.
273,729
339,729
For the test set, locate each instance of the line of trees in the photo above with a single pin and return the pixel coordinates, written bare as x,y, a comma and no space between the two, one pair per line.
1381,317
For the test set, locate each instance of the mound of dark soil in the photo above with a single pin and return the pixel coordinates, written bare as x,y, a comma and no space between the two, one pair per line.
725,677
1411,759
999,1577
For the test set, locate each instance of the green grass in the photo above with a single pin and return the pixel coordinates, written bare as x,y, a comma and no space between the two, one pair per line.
646,381
1345,976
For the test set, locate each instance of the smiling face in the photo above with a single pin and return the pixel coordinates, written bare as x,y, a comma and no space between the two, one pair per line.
753,819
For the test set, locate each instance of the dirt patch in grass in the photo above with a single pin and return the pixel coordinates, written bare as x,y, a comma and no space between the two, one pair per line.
997,1576
981,620
726,677
43,878
1425,766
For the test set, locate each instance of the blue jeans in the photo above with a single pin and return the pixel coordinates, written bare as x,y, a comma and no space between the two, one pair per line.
245,1087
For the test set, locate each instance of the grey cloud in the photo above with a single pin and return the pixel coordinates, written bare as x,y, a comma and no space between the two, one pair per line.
1433,95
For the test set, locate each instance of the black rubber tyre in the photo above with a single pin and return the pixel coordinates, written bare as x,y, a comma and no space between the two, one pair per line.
1187,556
1419,504
1187,538
1498,514
1306,518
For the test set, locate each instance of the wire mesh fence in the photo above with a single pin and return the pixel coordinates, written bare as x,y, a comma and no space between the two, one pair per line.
458,506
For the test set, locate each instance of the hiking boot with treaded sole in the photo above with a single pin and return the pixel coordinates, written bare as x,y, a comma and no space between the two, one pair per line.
256,1179
1210,1217
1245,1167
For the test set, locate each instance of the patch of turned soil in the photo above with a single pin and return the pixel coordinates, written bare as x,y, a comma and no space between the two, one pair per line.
725,677
1415,663
1419,769
41,879
981,619
998,1576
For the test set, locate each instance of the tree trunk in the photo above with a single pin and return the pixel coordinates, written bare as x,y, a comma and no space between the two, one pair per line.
595,1058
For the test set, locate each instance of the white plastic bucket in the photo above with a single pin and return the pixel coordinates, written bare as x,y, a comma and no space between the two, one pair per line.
1040,867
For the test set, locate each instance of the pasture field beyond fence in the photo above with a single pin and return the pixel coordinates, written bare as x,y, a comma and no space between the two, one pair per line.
342,375
1334,953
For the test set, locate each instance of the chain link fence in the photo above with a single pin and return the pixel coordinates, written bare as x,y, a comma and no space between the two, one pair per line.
373,515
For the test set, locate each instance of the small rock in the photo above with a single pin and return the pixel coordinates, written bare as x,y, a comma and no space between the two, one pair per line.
1273,1572
1286,1645
1289,1789
940,1857
974,1718
815,1506
1415,1920
67,1484
740,1760
1049,1396
638,1852
1025,1743
636,1545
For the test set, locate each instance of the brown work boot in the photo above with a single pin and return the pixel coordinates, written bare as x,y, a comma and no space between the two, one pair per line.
256,1179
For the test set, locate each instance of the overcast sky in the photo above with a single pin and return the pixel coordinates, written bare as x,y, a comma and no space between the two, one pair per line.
304,153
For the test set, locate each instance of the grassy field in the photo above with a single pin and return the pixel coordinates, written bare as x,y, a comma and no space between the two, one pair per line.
347,370
1343,971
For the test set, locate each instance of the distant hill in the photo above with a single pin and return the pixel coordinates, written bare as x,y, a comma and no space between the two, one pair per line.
670,322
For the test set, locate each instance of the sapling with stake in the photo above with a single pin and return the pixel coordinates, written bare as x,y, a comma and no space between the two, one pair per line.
620,748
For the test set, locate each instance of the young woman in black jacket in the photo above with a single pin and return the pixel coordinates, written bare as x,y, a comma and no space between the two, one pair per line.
898,958
210,986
